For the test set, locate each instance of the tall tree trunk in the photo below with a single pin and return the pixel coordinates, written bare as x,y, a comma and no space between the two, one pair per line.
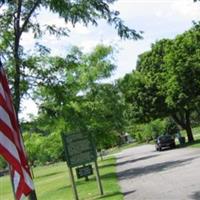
188,127
183,120
16,57
18,30
17,75
17,83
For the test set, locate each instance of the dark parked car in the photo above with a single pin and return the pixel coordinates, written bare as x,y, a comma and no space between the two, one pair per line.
165,141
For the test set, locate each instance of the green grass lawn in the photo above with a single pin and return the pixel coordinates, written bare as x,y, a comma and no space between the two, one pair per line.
52,183
122,147
196,134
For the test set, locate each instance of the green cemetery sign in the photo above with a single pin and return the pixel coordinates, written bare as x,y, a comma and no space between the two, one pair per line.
79,149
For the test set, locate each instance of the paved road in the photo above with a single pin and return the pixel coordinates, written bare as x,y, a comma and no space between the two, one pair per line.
145,174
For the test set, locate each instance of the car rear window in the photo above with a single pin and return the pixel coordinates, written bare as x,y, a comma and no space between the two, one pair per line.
165,137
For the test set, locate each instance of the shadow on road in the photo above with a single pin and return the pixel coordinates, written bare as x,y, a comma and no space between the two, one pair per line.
114,195
158,167
195,195
136,160
129,192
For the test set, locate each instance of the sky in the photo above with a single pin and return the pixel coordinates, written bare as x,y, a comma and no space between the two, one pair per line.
158,19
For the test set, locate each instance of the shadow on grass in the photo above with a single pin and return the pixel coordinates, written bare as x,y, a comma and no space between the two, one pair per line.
188,144
107,165
195,195
48,175
140,171
114,194
64,188
96,196
110,161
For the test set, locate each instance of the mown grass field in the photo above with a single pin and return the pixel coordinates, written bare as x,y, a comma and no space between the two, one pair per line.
52,183
196,134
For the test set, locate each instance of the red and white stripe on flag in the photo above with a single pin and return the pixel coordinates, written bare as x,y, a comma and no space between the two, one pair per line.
11,145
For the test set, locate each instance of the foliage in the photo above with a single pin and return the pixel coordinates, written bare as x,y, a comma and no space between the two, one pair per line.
105,118
171,127
154,129
79,101
55,82
43,149
147,132
23,16
182,80
3,163
141,94
166,81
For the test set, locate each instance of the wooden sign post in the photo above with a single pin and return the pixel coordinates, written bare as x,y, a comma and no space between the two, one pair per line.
80,150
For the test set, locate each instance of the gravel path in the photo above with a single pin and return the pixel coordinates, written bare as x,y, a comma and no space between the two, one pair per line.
145,174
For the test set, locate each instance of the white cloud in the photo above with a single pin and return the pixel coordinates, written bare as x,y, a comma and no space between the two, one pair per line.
88,45
50,18
80,29
27,40
187,9
29,108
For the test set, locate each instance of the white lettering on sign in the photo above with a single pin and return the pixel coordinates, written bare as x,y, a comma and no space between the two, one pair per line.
74,137
83,157
79,147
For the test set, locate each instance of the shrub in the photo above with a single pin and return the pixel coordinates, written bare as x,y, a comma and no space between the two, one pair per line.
3,163
43,149
171,127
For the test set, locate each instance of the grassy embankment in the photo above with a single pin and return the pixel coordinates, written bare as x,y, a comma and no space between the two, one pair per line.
52,182
196,134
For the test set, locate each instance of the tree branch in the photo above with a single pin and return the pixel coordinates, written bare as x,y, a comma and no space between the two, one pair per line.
17,18
178,121
29,16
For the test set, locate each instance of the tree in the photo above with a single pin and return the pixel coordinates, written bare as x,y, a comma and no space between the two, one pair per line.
166,82
22,16
43,149
77,73
79,101
151,66
182,80
143,97
105,114
171,127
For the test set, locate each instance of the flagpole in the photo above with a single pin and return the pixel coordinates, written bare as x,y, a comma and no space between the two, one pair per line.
32,195
11,180
13,138
10,171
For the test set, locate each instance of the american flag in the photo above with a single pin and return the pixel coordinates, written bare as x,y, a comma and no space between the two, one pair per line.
11,144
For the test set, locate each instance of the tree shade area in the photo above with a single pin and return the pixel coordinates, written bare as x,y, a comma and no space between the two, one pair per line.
160,96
